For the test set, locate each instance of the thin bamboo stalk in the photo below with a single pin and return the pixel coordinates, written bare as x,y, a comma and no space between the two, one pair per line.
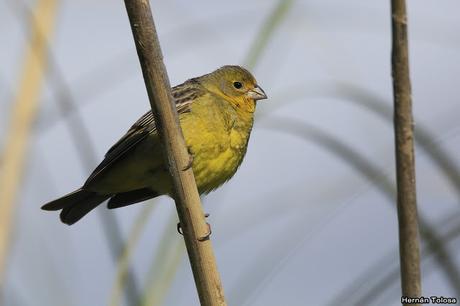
21,120
409,249
187,199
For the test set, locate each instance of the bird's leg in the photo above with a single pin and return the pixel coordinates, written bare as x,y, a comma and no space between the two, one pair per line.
203,238
190,160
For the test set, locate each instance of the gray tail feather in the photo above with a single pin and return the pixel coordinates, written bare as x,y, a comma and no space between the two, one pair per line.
76,204
131,197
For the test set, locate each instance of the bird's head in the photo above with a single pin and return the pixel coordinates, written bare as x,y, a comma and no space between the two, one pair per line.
237,85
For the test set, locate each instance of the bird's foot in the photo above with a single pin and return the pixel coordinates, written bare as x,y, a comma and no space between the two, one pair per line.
207,235
203,238
179,229
190,161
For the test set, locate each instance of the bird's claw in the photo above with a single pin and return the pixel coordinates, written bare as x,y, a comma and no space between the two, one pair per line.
207,235
202,238
190,161
179,229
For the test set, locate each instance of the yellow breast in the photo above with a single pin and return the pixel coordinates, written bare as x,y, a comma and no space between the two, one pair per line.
218,145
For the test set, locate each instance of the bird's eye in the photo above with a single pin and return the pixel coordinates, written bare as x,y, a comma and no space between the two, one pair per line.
237,85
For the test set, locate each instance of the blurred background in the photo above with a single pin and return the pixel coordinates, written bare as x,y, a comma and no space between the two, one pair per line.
309,219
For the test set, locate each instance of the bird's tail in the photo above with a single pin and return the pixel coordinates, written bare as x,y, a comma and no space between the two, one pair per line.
76,204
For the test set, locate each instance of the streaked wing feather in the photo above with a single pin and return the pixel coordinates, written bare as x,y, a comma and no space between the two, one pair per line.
183,94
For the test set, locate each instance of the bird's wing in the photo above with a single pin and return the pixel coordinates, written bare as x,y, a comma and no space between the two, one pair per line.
183,95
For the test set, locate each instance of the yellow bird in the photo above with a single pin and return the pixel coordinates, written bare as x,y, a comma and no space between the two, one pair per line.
216,113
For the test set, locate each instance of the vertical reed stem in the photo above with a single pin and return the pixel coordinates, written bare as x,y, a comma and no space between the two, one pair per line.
409,249
187,199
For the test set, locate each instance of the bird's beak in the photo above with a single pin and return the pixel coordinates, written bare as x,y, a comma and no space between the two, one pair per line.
257,93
